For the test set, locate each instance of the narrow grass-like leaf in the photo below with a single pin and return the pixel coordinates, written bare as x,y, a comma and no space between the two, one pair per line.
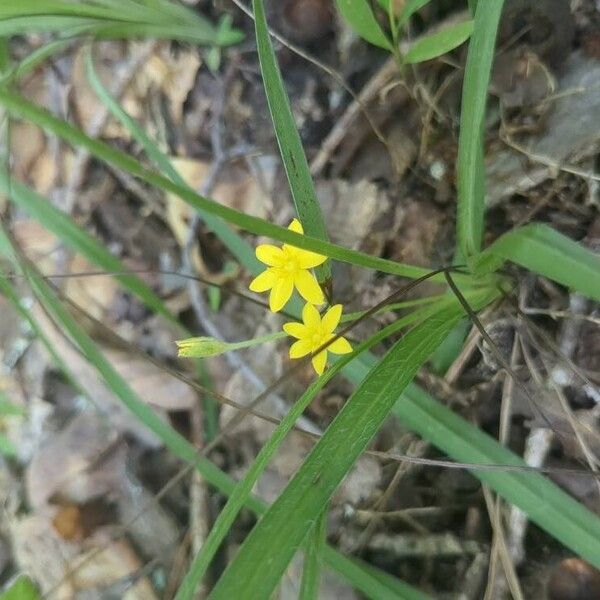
266,552
543,501
234,242
439,43
244,488
112,19
541,249
18,106
371,581
77,238
471,184
172,440
360,17
21,589
311,567
33,60
294,160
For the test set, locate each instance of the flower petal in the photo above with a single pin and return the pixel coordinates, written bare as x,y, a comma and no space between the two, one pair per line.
332,317
311,316
270,255
297,330
296,226
308,287
308,260
299,349
281,293
319,361
340,346
263,282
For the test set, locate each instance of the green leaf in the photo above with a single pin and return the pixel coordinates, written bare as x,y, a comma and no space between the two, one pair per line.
172,439
77,238
21,589
112,19
311,568
541,249
360,17
18,106
374,582
543,501
244,488
236,244
439,43
266,552
471,184
410,8
294,160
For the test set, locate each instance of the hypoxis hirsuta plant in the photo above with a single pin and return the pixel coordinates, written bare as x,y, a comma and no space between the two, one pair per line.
384,385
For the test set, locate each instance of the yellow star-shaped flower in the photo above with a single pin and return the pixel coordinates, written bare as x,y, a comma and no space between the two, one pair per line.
314,332
288,267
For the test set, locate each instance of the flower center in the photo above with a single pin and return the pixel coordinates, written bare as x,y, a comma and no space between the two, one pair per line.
316,339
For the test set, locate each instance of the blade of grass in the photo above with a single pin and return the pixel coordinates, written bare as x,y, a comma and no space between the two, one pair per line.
471,184
71,234
373,582
21,589
18,106
290,147
541,249
236,244
172,440
268,549
236,500
311,568
543,501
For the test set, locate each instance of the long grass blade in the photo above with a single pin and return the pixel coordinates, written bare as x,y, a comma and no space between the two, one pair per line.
541,249
18,106
294,160
311,568
471,184
266,552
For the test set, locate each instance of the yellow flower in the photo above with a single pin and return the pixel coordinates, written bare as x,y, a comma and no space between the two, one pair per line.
314,332
288,268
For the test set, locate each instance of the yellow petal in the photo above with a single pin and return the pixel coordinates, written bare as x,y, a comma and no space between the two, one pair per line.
263,282
308,260
319,361
311,316
299,349
270,255
332,317
340,346
308,287
296,226
281,292
297,330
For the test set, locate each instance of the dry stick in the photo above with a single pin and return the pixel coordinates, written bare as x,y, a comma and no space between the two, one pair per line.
497,580
499,546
